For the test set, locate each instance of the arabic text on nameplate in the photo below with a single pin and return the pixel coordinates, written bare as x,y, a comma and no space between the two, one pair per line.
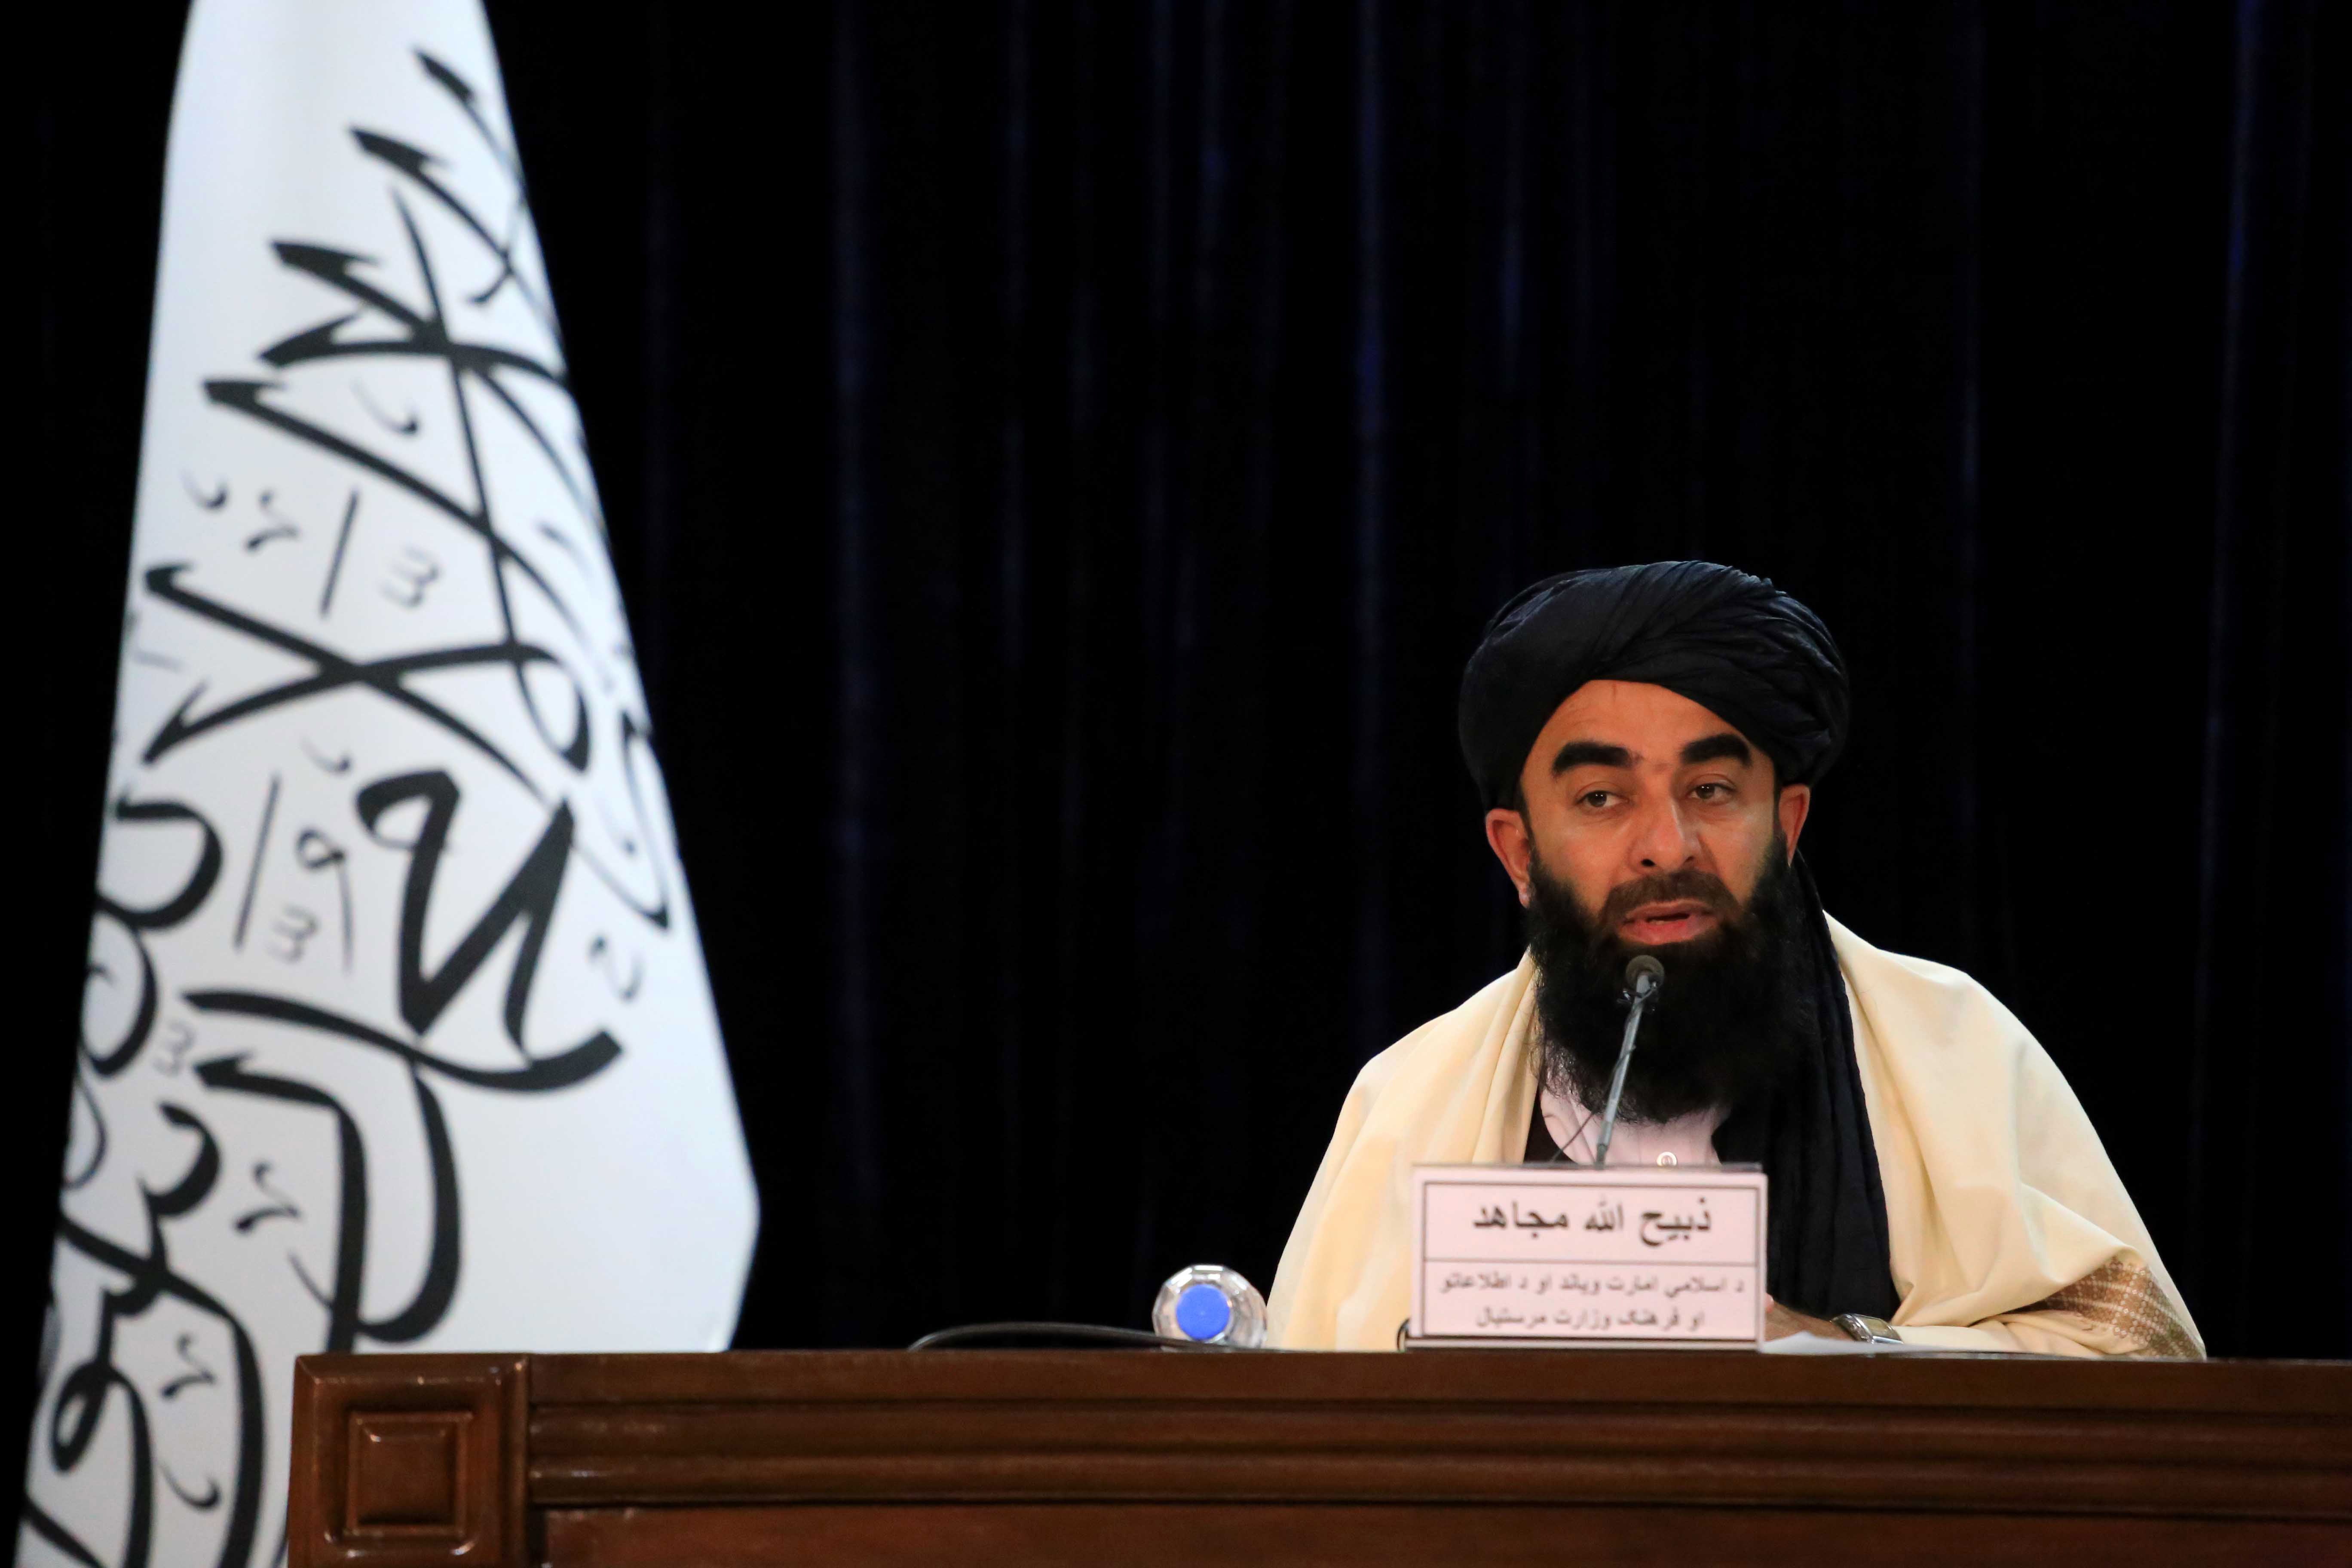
1630,1256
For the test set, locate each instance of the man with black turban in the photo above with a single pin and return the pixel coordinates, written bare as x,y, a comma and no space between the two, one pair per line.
1646,741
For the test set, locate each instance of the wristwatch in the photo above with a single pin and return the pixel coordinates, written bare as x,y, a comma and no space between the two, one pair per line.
1869,1330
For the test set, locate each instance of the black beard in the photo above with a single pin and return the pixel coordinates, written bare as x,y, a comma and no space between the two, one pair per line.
1731,1020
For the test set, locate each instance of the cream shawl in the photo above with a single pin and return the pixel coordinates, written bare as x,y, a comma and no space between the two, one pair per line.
2008,1227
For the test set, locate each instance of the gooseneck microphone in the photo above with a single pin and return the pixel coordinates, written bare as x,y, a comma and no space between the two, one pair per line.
1643,975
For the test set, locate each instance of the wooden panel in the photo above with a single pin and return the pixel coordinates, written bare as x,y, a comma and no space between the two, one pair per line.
1142,1456
1662,1377
407,1460
1617,1427
1144,1535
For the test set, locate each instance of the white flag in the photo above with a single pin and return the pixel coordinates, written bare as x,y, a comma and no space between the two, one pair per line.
396,1032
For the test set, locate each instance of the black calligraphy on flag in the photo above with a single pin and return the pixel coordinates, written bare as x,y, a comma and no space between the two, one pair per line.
388,909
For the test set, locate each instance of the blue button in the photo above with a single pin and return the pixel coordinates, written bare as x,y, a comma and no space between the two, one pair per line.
1202,1313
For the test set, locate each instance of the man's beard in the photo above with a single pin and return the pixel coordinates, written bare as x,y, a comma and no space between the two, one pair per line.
1731,1019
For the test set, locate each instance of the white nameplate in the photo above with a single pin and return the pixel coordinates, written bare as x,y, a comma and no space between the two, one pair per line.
1637,1256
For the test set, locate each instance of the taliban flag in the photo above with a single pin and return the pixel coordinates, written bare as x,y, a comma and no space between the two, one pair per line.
396,1034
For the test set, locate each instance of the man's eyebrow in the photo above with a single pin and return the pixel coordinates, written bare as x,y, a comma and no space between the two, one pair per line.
1717,748
1591,754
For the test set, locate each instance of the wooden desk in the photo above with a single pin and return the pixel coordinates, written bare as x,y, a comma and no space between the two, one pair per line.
1476,1457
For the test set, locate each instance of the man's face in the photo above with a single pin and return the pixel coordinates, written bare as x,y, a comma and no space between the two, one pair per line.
1631,784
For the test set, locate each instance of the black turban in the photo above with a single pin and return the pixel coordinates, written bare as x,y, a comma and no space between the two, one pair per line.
1729,642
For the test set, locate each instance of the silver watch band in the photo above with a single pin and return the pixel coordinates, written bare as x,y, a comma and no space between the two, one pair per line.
1870,1330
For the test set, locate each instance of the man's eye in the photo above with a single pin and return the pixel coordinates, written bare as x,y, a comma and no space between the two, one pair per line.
1713,791
1593,799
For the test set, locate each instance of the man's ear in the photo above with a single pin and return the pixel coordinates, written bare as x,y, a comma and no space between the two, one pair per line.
1507,835
1796,804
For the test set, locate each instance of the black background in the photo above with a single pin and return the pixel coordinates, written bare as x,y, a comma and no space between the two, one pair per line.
1058,456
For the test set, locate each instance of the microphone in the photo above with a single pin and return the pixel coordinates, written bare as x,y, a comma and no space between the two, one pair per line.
1643,976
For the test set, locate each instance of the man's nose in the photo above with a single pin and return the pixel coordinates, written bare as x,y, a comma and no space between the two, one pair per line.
1662,841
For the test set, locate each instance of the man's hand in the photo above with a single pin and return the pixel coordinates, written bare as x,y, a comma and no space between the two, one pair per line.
1780,1322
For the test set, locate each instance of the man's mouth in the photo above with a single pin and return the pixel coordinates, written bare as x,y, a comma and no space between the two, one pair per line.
1677,921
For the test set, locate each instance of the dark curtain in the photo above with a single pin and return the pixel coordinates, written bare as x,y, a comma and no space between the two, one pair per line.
1060,455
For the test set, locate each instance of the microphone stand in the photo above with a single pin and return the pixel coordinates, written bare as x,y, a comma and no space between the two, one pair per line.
1642,978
